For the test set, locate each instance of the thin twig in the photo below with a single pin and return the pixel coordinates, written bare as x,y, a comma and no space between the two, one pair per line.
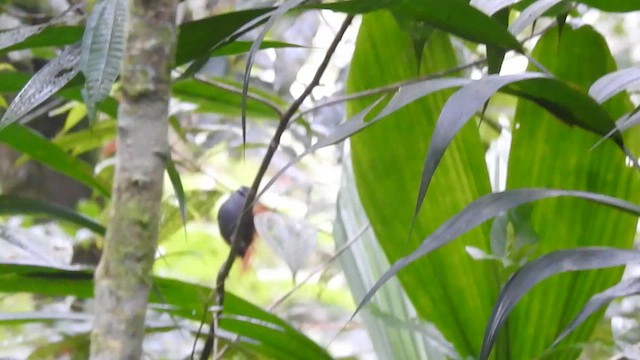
211,342
322,267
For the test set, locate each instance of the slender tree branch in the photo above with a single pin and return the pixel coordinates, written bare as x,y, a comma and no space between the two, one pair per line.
210,343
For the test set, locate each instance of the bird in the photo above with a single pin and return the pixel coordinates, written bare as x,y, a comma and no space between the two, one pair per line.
229,214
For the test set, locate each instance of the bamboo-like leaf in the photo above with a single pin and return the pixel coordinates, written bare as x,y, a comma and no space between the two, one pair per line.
44,151
491,7
528,276
14,205
46,82
176,182
531,14
622,289
483,209
275,16
102,50
613,83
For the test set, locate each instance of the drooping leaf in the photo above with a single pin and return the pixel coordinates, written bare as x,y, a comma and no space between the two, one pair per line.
491,7
102,50
528,276
495,54
275,16
176,182
622,289
531,14
547,153
42,150
15,205
613,83
46,82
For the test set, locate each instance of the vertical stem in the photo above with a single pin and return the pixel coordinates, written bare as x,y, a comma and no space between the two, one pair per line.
123,278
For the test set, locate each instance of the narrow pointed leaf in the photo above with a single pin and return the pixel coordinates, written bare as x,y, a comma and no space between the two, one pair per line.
483,209
554,263
614,83
14,205
275,16
46,82
102,49
44,151
531,14
491,7
495,54
622,289
459,109
174,176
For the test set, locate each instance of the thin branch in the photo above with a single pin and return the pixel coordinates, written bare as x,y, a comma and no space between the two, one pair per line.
211,342
322,267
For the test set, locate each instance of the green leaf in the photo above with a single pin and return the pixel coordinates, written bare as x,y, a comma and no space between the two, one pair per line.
547,153
174,176
211,98
198,38
557,262
387,159
102,50
50,36
495,55
531,14
459,18
262,331
257,42
46,82
14,205
51,155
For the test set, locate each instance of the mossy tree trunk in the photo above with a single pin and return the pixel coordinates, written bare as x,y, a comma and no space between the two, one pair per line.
123,278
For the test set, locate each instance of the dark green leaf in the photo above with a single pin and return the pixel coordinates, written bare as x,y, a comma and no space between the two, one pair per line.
174,176
14,205
47,153
457,17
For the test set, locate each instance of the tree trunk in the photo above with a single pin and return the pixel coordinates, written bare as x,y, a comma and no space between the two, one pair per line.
123,278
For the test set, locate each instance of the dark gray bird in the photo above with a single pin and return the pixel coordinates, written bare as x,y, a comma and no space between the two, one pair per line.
229,215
